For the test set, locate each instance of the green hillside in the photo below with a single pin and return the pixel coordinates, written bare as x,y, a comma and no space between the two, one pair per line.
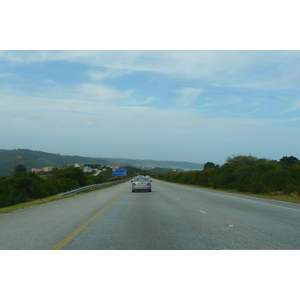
9,159
37,159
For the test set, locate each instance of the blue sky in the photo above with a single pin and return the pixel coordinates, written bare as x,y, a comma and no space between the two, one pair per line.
193,106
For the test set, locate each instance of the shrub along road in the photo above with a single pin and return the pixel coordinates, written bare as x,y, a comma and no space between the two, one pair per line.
171,217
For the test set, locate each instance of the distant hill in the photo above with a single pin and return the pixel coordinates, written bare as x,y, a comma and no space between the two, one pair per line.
148,164
38,159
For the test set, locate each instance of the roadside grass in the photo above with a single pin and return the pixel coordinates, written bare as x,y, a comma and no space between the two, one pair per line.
30,202
292,198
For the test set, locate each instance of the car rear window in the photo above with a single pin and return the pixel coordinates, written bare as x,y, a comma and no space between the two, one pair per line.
141,179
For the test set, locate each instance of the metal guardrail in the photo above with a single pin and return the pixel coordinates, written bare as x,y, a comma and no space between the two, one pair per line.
89,187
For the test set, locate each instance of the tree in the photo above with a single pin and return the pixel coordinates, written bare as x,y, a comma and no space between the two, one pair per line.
19,169
209,165
70,172
289,161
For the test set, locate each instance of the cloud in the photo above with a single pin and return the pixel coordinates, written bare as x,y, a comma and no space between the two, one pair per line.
104,95
188,95
6,74
108,74
96,117
149,99
242,69
293,106
88,104
50,81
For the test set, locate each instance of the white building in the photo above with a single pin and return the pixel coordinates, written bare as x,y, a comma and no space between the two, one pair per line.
87,169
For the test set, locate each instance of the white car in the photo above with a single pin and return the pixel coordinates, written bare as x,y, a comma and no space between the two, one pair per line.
141,183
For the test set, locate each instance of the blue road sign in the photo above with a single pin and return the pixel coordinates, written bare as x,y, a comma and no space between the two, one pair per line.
119,172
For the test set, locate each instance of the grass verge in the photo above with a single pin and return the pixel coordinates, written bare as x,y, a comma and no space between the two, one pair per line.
293,198
12,208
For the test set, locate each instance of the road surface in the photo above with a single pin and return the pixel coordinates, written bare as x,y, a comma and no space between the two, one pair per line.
170,217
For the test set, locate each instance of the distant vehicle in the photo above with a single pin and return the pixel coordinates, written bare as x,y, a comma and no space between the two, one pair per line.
141,183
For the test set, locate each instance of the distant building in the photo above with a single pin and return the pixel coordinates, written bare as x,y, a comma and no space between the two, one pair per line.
87,170
44,169
78,165
48,169
114,166
36,170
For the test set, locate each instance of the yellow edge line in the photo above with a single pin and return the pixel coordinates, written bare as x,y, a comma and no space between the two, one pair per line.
66,240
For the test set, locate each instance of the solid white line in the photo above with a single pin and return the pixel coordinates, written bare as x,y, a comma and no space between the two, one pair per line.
203,211
281,206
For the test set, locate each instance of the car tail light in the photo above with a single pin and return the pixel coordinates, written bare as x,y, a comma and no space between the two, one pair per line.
148,183
134,184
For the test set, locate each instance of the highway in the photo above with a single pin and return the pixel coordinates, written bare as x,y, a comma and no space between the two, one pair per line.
171,217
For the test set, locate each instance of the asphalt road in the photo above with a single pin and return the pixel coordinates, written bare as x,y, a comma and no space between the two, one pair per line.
170,217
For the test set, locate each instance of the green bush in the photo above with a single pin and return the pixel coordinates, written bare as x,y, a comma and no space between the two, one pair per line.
95,180
26,186
71,173
245,173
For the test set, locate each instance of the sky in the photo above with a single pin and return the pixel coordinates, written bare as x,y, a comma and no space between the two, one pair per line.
165,102
195,106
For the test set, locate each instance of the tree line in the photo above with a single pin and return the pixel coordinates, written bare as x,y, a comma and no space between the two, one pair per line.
24,186
245,173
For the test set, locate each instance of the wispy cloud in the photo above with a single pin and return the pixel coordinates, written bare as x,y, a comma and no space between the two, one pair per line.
243,69
107,74
292,106
104,95
6,74
50,81
188,95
